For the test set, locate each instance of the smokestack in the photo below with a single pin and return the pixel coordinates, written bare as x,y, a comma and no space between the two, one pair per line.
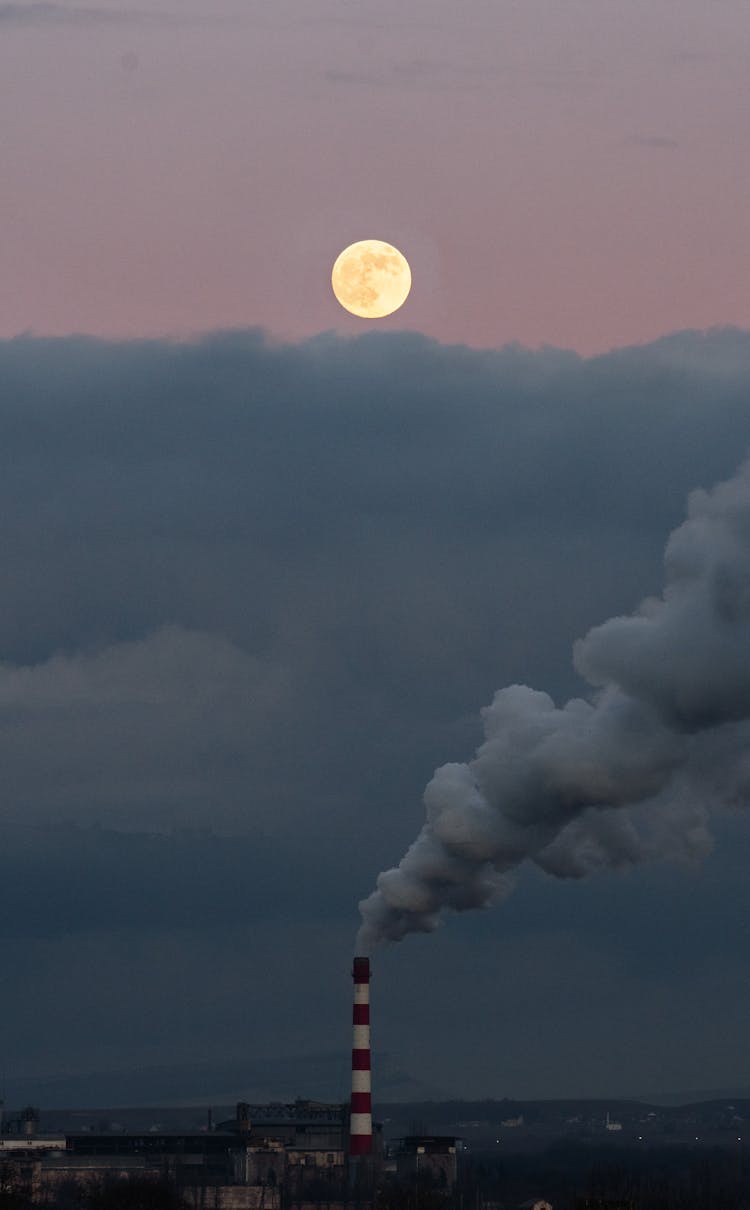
360,1127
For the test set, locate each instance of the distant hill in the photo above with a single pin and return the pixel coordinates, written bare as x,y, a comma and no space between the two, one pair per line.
696,1097
481,1124
324,1076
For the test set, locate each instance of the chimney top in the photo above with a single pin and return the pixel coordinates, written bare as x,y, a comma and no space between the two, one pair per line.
361,970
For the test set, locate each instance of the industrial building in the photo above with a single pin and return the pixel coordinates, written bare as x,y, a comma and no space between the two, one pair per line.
429,1159
267,1157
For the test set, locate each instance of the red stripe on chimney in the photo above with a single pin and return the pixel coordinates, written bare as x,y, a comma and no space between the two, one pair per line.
360,1060
361,1102
360,1144
361,1014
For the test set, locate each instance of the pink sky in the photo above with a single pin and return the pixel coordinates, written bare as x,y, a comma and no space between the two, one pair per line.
574,172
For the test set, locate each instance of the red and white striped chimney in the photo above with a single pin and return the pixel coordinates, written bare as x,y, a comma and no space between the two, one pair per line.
360,1127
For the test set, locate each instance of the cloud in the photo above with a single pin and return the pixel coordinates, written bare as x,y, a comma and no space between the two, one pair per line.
657,142
41,13
416,73
450,75
132,732
254,593
268,563
45,12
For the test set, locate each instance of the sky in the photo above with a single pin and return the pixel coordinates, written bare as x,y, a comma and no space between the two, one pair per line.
265,565
573,174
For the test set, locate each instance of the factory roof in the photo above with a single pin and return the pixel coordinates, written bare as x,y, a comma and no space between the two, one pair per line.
430,1142
163,1141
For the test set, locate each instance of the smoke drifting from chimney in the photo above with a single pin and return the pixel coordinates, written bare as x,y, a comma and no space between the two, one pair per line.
665,730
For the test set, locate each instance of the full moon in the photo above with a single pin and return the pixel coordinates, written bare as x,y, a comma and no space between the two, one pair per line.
371,279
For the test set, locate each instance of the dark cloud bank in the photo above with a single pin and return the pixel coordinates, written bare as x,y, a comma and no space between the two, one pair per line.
254,594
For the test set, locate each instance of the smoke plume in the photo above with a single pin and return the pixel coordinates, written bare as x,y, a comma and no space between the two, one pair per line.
665,732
